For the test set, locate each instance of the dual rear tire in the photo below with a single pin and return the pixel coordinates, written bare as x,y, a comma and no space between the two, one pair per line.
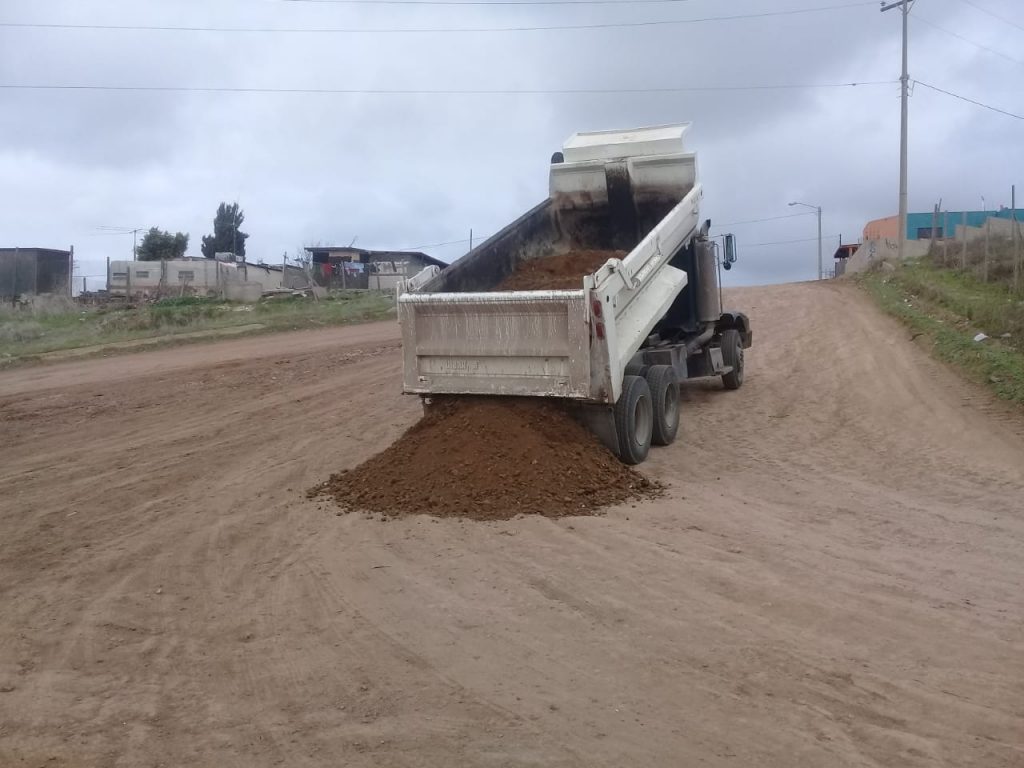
647,413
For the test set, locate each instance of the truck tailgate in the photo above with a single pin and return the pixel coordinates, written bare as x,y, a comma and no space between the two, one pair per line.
525,343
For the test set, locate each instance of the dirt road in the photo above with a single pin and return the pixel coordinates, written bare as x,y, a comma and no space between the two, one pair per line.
834,578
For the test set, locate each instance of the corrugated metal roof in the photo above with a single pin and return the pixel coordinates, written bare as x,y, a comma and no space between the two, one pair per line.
373,255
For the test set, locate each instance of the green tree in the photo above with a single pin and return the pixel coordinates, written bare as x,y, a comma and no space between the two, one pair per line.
158,245
227,236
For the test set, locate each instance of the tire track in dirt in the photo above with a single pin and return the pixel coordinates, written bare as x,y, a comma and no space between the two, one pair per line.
832,579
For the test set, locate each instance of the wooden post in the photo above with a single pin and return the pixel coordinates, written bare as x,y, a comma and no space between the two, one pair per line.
963,250
945,240
71,270
84,289
1016,238
984,269
108,274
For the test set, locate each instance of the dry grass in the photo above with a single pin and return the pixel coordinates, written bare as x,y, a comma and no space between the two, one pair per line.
949,308
995,266
27,332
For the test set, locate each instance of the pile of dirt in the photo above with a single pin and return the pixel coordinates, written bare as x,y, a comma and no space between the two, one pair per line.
490,459
553,273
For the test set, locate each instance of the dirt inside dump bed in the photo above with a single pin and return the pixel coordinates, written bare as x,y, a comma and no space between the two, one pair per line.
562,272
490,459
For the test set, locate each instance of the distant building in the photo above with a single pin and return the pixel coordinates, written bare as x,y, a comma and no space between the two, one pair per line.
201,276
842,257
35,272
347,267
920,226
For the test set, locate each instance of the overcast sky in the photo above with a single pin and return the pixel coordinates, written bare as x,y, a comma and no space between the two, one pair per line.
402,171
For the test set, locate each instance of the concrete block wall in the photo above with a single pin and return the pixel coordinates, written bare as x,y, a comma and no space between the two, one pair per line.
884,249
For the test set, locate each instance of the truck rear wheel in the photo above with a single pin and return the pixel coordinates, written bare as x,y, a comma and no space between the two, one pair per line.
634,420
732,356
664,386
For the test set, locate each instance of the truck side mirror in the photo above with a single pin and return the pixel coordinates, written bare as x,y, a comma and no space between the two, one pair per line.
730,250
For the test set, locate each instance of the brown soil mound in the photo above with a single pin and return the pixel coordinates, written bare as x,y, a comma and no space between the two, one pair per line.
490,459
552,273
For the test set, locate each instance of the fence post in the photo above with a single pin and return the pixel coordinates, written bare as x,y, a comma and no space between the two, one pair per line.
984,269
963,250
1016,238
71,272
945,239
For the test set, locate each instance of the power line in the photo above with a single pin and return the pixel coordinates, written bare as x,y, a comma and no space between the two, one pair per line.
441,245
993,15
967,40
423,30
433,92
771,218
969,101
784,242
487,2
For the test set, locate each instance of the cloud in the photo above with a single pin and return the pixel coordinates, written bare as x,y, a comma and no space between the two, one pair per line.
418,169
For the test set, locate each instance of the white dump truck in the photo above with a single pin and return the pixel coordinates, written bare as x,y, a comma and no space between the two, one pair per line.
621,342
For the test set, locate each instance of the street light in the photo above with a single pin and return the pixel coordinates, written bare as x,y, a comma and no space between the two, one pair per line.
818,209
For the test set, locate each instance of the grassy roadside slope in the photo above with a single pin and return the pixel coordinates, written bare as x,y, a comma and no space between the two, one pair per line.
24,335
947,309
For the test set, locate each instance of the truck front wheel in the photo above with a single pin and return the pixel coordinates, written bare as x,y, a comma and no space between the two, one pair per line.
664,386
732,356
634,420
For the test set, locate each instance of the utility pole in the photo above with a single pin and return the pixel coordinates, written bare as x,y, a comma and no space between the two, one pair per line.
905,5
816,208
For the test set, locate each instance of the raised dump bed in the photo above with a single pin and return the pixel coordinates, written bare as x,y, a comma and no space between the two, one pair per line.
631,194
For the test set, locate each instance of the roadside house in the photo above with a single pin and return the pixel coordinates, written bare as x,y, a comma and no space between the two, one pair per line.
347,267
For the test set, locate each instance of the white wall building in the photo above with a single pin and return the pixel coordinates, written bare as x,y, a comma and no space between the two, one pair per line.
203,277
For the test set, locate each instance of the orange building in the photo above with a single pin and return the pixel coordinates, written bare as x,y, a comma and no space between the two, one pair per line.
880,229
